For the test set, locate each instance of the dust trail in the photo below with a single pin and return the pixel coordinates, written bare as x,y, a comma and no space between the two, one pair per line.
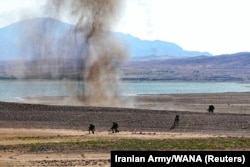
102,51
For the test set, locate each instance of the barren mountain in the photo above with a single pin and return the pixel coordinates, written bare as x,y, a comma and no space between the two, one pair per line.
234,67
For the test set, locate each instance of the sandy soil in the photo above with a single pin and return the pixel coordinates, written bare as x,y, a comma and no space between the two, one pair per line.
14,154
151,117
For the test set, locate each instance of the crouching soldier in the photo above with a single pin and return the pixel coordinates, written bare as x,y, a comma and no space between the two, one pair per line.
91,128
210,109
114,127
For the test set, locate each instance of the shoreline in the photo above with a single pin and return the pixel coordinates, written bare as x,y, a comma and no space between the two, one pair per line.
36,134
150,113
229,102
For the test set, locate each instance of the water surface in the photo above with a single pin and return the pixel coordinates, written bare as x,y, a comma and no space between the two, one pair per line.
11,90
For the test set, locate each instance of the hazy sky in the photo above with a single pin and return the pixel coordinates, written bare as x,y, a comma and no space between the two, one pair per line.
216,26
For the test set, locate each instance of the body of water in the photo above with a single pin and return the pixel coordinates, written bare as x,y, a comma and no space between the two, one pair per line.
13,90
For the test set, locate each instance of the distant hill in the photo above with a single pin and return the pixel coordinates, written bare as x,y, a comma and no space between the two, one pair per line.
44,37
151,60
232,67
23,40
144,48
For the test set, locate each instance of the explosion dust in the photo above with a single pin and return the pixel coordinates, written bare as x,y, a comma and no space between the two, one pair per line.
102,51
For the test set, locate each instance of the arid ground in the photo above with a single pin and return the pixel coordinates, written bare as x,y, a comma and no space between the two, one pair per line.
54,134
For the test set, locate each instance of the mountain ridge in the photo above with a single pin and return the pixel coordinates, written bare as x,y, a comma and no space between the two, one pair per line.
228,67
233,67
157,48
18,38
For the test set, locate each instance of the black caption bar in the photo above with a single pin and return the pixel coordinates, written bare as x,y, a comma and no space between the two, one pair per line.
179,158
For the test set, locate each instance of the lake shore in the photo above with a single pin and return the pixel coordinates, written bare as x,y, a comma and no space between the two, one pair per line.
231,102
64,119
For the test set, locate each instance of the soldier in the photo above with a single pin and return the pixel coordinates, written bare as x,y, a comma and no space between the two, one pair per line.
91,128
114,127
210,108
176,122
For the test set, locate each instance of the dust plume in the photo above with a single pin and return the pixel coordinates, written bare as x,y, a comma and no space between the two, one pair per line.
102,51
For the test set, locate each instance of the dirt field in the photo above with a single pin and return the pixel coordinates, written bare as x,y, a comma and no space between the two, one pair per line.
23,125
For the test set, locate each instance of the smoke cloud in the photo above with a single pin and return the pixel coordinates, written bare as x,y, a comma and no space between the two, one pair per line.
102,52
88,51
